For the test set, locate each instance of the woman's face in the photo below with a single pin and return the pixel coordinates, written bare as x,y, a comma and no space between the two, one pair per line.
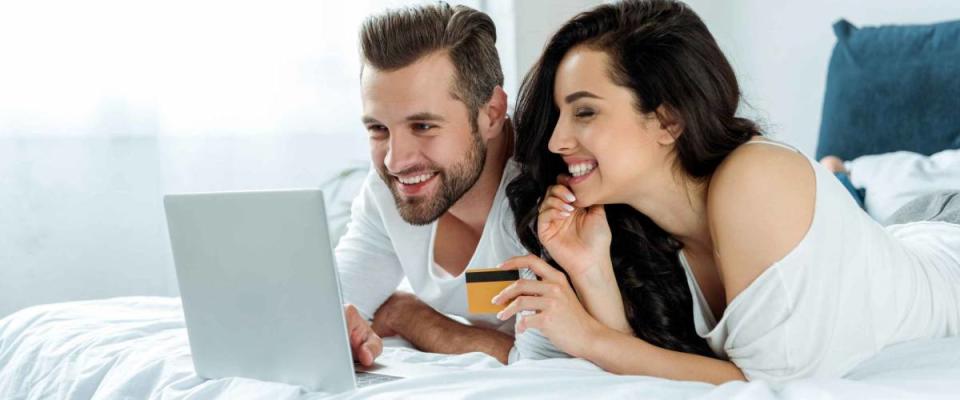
613,151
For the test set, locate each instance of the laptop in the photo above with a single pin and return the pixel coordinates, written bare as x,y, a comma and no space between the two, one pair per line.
260,292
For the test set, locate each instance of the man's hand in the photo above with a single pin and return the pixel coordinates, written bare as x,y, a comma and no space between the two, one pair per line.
365,344
833,164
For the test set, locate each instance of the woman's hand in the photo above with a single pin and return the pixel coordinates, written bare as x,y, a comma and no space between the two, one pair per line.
559,314
561,318
577,238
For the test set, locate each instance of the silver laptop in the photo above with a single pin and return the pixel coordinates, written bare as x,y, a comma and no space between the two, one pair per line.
260,290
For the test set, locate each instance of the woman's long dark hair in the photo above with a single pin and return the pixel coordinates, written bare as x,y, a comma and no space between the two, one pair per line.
662,52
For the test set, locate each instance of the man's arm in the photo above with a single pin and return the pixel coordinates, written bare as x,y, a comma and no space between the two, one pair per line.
405,315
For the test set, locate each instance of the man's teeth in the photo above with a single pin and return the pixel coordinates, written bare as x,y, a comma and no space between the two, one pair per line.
581,168
413,180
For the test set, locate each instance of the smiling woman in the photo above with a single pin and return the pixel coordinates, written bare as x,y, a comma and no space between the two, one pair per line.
676,222
610,95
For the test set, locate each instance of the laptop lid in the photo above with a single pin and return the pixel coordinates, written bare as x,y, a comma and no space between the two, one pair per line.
260,291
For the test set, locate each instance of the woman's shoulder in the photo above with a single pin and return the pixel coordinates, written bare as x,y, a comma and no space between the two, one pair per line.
765,159
762,168
760,205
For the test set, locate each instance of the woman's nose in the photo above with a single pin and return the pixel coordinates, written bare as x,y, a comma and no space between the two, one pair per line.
561,141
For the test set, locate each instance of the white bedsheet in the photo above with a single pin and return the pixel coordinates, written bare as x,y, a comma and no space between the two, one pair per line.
893,179
136,348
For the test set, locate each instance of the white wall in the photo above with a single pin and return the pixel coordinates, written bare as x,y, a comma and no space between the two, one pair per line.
106,105
523,27
780,51
537,21
88,145
82,217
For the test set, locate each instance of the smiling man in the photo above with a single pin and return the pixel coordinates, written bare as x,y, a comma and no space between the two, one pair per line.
433,204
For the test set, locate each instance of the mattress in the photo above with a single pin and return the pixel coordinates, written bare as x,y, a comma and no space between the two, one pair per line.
137,348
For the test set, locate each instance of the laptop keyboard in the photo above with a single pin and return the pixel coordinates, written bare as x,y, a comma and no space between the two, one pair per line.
369,378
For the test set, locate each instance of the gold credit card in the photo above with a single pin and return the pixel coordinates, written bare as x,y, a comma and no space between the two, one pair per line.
483,284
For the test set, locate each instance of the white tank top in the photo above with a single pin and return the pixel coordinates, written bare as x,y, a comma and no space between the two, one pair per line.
848,289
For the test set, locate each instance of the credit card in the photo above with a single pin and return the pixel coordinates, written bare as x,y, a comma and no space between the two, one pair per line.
483,284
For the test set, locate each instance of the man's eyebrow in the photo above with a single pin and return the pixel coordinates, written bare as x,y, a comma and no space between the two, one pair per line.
425,116
579,95
421,116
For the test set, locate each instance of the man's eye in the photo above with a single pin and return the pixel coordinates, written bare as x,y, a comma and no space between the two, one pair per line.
422,127
377,130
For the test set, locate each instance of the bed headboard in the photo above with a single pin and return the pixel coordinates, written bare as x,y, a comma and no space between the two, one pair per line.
892,88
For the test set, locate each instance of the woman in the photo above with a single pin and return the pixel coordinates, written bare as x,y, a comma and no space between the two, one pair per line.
671,224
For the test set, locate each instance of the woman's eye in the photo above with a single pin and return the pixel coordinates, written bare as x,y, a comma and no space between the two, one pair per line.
584,113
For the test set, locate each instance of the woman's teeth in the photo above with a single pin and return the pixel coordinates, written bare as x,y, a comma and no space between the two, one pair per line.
581,168
413,180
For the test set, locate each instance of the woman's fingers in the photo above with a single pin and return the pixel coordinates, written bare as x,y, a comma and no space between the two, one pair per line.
548,217
537,265
522,287
562,191
556,203
524,303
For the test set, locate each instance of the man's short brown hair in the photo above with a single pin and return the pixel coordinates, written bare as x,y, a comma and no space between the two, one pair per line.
398,38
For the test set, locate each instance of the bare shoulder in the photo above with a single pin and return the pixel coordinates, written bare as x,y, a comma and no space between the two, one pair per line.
760,205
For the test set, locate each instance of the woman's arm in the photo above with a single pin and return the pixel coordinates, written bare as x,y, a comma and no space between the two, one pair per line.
600,295
624,354
579,240
562,318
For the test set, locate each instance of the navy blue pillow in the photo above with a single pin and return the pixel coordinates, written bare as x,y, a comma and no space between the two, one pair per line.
892,88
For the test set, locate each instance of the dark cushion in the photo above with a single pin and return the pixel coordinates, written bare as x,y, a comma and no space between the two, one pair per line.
892,88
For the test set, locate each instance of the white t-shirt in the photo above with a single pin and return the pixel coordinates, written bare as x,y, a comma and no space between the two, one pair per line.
379,249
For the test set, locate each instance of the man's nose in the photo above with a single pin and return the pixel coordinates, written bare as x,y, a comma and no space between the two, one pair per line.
401,153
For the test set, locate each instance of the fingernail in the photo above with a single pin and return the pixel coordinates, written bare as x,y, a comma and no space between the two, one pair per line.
570,197
568,207
500,315
494,299
564,213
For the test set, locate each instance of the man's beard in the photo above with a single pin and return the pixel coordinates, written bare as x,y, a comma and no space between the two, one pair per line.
453,183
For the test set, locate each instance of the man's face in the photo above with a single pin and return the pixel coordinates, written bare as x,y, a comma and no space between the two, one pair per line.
421,139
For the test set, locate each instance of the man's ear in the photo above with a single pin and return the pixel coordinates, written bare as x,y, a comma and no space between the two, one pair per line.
671,125
494,113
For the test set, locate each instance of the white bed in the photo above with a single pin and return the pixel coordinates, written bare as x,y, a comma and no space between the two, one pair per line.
136,348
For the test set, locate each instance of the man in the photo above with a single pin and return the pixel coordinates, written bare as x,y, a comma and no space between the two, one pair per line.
902,186
433,204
